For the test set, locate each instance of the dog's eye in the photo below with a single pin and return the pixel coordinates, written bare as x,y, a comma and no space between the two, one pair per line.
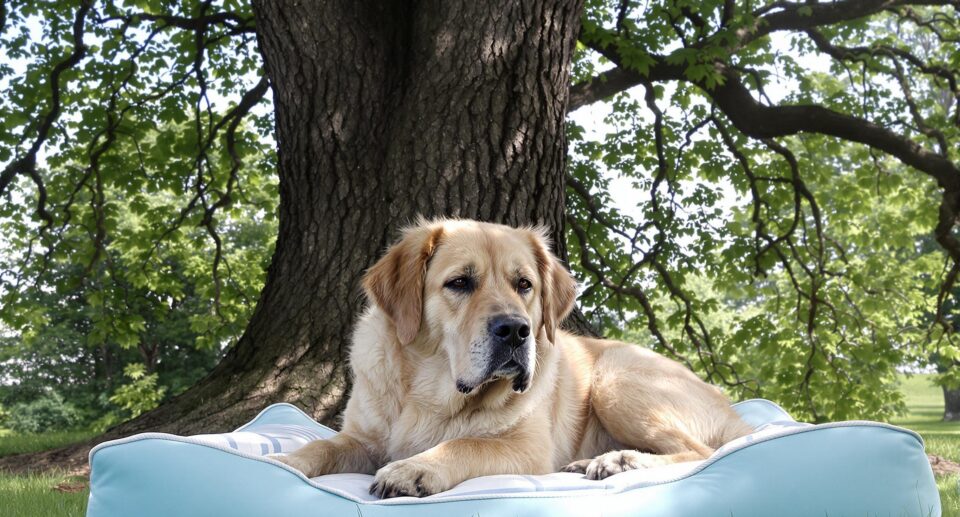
524,285
461,283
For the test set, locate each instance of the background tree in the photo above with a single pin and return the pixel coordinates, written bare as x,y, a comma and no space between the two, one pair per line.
155,309
382,112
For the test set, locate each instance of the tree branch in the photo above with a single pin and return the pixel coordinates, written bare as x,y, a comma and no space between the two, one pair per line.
3,16
27,164
632,291
802,16
233,21
760,121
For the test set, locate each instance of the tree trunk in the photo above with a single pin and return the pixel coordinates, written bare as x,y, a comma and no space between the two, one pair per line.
384,111
951,404
951,395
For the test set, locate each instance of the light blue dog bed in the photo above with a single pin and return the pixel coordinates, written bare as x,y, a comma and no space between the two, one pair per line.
784,468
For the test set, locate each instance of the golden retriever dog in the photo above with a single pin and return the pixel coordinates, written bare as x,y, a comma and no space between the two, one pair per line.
460,370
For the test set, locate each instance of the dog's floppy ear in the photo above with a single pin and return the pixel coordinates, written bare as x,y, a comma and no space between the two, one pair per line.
395,282
558,289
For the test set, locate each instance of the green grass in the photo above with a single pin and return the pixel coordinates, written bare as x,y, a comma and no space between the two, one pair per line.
949,495
36,495
925,411
18,443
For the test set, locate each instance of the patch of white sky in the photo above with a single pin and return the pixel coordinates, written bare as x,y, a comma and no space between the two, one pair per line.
596,121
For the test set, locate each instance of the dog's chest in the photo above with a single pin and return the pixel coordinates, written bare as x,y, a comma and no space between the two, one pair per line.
419,429
431,414
420,422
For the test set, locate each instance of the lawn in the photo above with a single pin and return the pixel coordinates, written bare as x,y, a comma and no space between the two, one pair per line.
58,494
925,406
15,444
52,493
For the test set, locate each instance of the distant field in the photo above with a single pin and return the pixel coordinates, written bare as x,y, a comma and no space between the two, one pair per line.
15,444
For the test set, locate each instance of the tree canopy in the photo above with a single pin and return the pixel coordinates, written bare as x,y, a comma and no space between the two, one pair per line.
778,147
771,197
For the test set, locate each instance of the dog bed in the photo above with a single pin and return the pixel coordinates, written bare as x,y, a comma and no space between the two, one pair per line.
784,468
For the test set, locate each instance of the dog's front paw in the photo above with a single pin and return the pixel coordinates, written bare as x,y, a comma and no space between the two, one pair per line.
407,477
615,462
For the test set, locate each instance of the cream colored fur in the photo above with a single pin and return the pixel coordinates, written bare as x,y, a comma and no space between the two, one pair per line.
591,405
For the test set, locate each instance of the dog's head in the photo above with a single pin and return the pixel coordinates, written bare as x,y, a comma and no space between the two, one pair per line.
488,295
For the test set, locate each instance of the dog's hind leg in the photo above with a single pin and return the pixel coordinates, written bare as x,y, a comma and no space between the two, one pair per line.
648,403
676,449
674,446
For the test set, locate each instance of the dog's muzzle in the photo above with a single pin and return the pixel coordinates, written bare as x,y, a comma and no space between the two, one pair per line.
509,357
508,354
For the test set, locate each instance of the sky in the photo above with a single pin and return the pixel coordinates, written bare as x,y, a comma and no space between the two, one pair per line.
592,117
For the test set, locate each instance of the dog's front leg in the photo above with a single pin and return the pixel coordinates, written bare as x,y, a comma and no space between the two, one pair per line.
444,466
342,453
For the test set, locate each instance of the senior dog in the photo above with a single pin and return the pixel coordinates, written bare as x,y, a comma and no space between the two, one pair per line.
460,370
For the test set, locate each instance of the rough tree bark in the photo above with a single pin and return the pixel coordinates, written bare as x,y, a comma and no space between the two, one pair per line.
384,111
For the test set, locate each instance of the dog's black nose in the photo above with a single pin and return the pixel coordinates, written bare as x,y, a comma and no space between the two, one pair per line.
509,330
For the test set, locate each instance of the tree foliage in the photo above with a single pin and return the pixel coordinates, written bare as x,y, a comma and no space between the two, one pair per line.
787,198
141,394
47,412
139,207
787,164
